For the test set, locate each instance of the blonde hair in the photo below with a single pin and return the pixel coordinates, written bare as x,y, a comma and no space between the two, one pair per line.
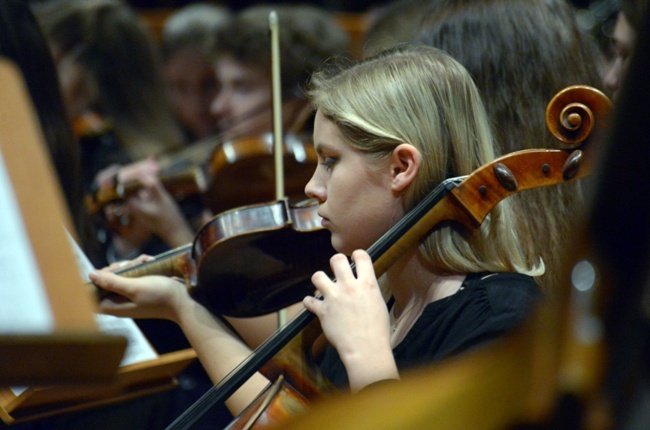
421,96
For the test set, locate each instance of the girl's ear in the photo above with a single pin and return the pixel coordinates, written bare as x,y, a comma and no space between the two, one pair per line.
405,163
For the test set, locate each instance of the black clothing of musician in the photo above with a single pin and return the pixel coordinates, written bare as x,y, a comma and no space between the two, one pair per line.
485,307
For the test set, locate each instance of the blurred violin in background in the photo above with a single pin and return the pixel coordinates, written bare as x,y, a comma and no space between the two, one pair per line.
90,124
226,174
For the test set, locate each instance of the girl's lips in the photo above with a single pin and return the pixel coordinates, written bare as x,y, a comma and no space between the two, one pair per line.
324,222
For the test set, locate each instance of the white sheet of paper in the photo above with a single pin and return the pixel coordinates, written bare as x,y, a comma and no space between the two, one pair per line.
138,348
24,307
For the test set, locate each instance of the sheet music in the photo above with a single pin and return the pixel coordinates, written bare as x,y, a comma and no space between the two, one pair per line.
24,307
138,348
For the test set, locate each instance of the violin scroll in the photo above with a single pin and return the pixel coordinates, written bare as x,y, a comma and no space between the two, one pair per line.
574,112
572,116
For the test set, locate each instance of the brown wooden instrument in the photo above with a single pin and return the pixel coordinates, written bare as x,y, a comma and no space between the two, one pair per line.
180,185
226,174
572,116
90,124
259,256
243,171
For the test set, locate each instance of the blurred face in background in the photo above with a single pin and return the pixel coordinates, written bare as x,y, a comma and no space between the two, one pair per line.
191,87
76,88
623,44
243,106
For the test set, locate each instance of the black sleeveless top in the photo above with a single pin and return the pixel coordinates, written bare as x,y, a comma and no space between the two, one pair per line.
485,307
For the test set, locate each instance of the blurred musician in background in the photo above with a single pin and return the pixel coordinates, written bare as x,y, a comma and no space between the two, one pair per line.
626,28
188,42
108,67
112,85
308,37
629,379
525,53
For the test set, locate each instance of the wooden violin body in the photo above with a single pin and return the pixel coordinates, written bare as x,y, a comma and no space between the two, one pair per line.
258,256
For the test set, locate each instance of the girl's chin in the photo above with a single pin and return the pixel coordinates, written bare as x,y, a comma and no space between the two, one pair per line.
337,244
340,246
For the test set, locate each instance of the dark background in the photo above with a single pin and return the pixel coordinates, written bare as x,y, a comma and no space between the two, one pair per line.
335,5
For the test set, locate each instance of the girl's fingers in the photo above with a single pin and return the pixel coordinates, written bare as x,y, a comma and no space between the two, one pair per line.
322,282
312,304
363,264
109,282
119,265
341,268
143,258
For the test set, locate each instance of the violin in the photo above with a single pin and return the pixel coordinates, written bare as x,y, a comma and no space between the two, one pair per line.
252,248
180,185
286,357
217,177
248,256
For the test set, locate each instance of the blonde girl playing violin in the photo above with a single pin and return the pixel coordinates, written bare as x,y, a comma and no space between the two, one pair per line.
387,131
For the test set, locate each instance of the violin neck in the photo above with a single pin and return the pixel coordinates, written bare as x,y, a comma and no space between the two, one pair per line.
176,262
198,153
179,184
410,228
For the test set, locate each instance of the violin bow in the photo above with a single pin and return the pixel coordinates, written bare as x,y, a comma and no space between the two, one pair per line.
571,117
277,122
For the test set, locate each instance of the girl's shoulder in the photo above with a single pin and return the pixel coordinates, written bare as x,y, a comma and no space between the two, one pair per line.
504,291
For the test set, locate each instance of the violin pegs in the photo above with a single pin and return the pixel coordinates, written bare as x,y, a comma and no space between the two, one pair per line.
506,177
572,165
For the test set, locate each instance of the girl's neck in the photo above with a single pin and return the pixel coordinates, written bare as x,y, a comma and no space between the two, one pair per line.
414,286
410,280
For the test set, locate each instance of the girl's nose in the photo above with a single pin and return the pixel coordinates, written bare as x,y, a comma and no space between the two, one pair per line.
315,189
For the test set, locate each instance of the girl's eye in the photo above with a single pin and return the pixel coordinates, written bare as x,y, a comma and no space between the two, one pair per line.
328,163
